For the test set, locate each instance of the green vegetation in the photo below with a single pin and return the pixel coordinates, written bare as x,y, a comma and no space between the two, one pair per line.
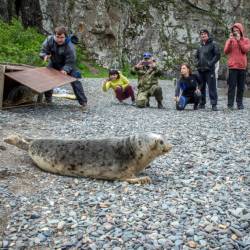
89,68
20,45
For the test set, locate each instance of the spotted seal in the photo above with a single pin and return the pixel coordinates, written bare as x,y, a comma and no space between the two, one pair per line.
108,159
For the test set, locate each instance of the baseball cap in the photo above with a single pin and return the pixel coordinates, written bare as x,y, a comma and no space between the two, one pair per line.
147,55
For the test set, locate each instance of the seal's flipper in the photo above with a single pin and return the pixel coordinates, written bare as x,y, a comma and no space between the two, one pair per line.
139,180
18,141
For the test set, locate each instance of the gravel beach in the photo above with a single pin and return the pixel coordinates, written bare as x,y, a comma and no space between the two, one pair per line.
199,198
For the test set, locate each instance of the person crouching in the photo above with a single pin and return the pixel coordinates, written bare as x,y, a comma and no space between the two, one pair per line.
120,84
187,89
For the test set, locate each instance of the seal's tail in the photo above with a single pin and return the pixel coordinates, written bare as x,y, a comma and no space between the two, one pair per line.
18,141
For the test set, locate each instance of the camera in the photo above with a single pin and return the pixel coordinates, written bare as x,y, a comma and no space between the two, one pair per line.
146,65
235,34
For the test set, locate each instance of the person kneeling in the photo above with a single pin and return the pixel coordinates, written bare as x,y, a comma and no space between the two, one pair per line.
187,89
148,74
120,84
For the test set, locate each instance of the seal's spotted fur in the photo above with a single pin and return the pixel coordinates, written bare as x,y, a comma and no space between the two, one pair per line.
109,159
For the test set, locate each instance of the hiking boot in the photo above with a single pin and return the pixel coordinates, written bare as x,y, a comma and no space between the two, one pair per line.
48,103
84,106
48,100
214,108
195,106
202,106
240,106
147,104
160,106
230,108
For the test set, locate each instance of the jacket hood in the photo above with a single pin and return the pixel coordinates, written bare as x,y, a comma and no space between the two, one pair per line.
240,27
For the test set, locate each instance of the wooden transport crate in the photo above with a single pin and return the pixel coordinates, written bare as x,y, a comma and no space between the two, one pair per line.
23,84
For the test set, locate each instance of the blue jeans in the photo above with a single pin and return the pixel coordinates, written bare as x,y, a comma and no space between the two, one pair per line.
184,100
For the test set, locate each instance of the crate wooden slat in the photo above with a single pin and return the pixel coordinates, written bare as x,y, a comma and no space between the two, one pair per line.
15,67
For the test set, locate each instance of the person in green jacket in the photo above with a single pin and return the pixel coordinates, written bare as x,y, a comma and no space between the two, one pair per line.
120,84
148,74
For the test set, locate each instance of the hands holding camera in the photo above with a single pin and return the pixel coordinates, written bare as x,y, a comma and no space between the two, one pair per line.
146,64
235,35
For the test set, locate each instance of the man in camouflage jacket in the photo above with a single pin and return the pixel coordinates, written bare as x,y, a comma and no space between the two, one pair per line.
148,74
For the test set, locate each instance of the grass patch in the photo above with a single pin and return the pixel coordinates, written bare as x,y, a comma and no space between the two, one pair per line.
20,45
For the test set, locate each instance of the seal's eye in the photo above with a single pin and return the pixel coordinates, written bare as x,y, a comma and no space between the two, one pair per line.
161,142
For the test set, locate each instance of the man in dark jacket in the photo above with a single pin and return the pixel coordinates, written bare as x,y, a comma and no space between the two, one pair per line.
60,52
207,55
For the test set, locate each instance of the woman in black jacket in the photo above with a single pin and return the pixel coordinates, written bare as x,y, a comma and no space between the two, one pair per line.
187,89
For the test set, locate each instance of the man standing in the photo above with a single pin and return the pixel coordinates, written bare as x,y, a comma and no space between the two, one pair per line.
60,52
207,55
236,49
148,74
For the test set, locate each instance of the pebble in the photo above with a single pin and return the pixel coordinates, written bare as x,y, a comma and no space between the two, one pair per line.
236,231
42,237
203,243
35,216
192,244
245,217
60,225
190,232
209,228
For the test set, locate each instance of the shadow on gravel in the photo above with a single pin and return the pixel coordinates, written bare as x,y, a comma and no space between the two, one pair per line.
46,108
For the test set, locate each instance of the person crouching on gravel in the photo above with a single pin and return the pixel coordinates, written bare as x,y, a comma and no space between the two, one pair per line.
120,84
187,89
148,74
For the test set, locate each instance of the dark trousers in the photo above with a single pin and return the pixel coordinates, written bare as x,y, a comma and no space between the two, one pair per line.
181,104
76,86
208,79
236,78
124,94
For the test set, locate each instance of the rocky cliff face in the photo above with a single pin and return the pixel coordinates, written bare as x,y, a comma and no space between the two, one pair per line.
117,32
